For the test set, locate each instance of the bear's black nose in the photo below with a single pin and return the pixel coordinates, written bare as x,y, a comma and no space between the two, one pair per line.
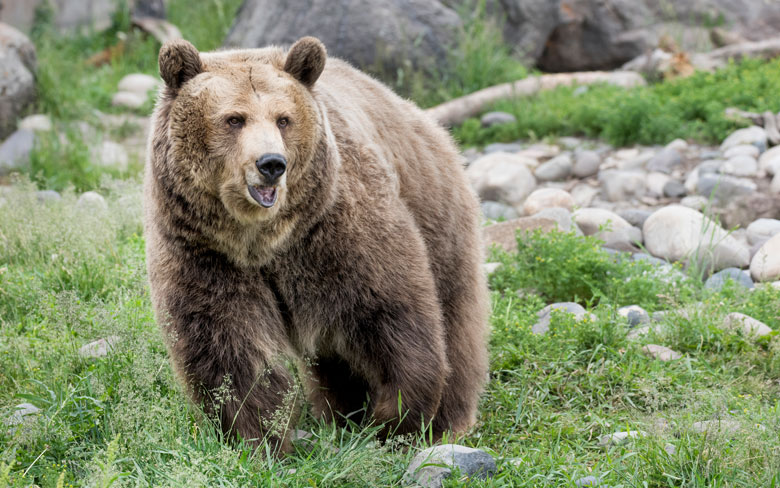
271,166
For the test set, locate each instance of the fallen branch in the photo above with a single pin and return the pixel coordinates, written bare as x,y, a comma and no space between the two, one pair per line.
767,49
456,111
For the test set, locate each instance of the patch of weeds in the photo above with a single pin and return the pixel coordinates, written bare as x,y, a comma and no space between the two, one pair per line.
64,160
565,267
479,59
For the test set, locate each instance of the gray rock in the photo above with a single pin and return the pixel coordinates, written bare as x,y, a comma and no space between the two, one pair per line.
543,198
586,163
742,150
665,161
740,166
561,216
139,83
587,481
620,186
751,135
679,145
619,437
490,268
111,155
649,259
769,162
775,186
432,466
511,147
17,80
692,180
129,100
570,142
36,123
496,211
635,315
736,275
661,353
544,315
724,188
584,194
674,189
373,34
696,202
15,151
99,348
20,412
742,210
91,201
497,118
670,449
45,196
558,168
635,217
502,177
746,324
678,233
762,229
655,183
765,265
710,166
609,227
723,426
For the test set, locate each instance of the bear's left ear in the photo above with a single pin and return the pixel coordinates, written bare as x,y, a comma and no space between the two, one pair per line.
306,60
179,62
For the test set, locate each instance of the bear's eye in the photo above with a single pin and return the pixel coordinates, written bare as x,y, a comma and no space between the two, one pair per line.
283,122
235,122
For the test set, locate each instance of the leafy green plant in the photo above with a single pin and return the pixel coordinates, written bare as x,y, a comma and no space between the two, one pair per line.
562,266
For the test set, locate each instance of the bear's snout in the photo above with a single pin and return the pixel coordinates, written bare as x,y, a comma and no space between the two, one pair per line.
271,166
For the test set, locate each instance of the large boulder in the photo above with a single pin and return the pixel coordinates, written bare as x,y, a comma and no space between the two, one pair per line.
596,34
377,35
572,35
17,83
678,233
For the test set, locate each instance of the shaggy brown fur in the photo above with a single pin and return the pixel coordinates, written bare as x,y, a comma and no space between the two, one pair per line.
366,267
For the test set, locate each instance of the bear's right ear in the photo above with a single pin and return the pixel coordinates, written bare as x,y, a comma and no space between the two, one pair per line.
179,62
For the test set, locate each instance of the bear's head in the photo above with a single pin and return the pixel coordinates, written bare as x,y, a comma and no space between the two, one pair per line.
243,127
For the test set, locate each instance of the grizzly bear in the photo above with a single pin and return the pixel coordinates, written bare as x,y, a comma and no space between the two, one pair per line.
298,210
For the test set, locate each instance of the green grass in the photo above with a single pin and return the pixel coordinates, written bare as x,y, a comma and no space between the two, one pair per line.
69,276
690,108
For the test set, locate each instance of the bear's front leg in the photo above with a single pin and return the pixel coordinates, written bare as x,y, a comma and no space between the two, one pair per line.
226,339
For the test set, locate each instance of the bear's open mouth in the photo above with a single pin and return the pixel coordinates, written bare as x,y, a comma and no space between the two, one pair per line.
265,196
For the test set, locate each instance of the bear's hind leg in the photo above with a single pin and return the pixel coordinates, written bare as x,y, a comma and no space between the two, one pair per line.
335,391
465,303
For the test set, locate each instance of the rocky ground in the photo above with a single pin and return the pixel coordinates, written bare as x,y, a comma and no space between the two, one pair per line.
710,207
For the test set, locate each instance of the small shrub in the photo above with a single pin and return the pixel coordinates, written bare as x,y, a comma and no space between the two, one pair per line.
565,267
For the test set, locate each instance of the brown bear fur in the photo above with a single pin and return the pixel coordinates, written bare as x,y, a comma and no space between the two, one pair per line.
367,268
